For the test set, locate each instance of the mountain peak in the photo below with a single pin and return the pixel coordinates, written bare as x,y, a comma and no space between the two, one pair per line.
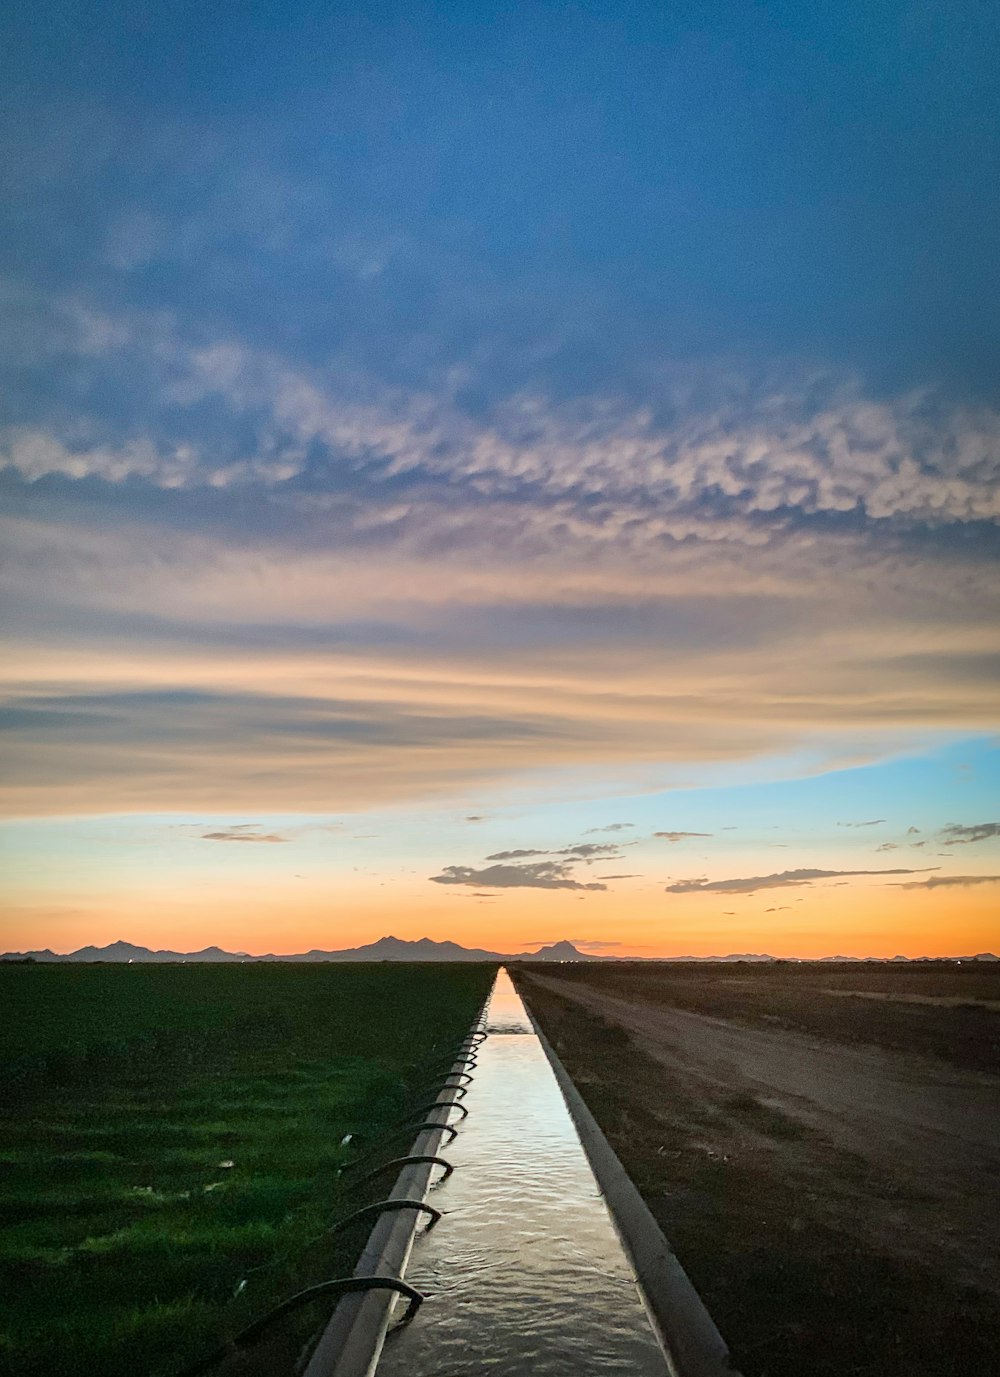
560,951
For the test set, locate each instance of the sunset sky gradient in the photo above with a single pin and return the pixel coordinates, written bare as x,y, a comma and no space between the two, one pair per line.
432,432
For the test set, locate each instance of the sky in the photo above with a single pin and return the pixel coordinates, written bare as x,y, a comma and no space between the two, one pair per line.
501,473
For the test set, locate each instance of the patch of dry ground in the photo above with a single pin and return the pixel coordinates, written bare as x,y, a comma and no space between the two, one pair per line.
836,1204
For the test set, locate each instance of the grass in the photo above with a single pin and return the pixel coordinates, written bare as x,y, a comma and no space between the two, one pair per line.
759,1209
172,1140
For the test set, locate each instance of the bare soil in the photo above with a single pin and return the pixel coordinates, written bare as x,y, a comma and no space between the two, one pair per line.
835,1201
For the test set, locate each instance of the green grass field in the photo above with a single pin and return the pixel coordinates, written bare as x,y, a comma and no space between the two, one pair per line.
171,1142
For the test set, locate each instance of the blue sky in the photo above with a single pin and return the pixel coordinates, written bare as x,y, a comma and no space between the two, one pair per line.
437,403
717,178
862,825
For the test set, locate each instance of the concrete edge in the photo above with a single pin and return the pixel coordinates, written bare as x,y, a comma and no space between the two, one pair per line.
351,1343
692,1343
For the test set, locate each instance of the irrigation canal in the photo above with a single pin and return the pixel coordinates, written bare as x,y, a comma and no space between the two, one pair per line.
525,1272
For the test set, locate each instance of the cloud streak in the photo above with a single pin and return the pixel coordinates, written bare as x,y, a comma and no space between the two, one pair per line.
244,832
519,854
582,851
782,880
952,881
680,836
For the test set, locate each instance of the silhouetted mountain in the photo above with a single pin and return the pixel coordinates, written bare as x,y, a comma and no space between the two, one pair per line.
558,951
423,949
397,949
124,951
385,949
128,951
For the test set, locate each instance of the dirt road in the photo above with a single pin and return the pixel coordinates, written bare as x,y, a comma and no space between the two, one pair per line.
902,1150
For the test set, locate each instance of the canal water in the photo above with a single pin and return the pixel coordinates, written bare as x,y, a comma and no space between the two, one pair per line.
525,1273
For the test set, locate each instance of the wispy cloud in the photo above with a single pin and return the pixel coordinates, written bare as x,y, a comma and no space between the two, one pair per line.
680,836
958,835
783,880
872,822
946,881
536,875
520,853
610,827
243,832
583,851
589,850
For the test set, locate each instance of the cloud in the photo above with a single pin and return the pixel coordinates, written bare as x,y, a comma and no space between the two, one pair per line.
680,836
538,875
946,881
873,822
888,846
584,851
274,751
243,832
732,455
516,855
782,880
959,835
589,850
633,876
551,584
611,827
913,831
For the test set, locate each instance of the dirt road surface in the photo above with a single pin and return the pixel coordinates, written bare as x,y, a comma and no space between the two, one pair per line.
903,1150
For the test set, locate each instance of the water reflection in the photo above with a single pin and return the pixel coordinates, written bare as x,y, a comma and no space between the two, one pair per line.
525,1272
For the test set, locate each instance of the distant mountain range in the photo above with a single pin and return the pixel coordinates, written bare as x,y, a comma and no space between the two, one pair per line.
399,949
385,949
